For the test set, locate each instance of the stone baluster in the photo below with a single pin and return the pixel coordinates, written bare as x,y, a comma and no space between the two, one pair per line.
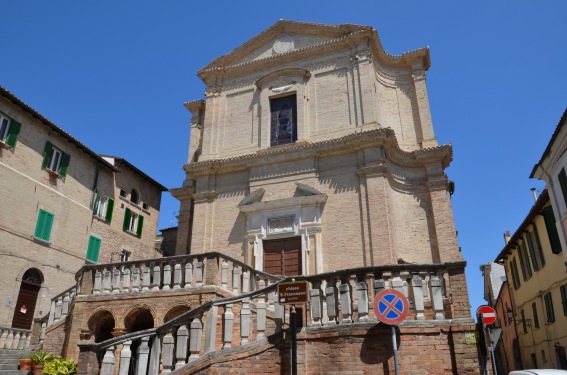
107,367
245,282
125,357
379,285
316,303
362,300
419,306
261,312
3,339
126,280
177,276
181,348
16,340
136,279
437,296
195,339
156,277
236,271
167,356
346,302
142,357
116,281
167,277
271,297
228,324
155,354
199,274
58,309
147,277
245,321
106,281
370,294
42,333
331,299
97,282
211,334
279,312
398,284
51,318
65,305
23,340
9,340
405,276
224,274
188,275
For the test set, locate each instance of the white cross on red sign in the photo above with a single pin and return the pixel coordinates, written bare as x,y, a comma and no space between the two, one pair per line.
487,313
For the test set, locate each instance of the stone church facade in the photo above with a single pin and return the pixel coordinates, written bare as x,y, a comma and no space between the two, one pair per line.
350,168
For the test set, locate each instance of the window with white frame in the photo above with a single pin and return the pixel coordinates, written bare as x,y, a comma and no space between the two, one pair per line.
9,130
133,222
124,256
55,160
103,207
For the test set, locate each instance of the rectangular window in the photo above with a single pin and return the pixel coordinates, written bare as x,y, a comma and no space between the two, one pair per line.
563,291
532,251
539,250
133,222
524,324
43,225
9,130
515,275
55,160
123,193
524,261
549,218
103,207
549,313
124,256
562,177
283,125
534,313
94,248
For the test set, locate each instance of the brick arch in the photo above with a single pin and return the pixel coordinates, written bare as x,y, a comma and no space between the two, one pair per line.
101,324
139,317
174,310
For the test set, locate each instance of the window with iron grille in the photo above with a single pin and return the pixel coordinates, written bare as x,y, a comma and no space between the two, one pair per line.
534,313
283,124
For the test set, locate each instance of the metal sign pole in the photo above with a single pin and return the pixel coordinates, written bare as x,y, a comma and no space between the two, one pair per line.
293,341
395,345
492,352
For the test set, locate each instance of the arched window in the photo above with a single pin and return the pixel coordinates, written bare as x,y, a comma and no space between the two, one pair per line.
135,196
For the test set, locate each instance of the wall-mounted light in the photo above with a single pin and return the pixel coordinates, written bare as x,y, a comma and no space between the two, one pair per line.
510,314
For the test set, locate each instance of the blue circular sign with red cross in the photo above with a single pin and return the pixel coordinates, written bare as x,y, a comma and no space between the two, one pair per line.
391,307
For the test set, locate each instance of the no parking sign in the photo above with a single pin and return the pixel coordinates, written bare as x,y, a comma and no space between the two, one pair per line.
391,307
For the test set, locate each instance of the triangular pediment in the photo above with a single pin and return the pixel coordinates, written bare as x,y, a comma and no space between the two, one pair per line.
284,37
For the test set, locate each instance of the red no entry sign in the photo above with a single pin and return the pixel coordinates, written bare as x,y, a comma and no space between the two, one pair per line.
391,306
487,313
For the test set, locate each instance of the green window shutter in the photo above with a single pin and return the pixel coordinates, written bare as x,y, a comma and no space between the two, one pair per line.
96,202
109,207
549,219
563,182
94,249
13,132
43,225
65,159
47,154
140,226
126,224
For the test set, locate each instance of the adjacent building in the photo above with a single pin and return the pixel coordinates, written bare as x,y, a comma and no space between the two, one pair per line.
63,206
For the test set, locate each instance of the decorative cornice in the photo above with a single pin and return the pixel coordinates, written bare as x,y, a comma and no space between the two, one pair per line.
285,202
348,143
293,72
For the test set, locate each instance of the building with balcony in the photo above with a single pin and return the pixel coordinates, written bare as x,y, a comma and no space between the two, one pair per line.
63,206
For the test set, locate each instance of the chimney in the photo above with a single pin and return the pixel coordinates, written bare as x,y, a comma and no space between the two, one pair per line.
507,237
534,194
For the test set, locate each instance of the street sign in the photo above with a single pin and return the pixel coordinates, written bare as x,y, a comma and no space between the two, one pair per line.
391,306
293,293
487,313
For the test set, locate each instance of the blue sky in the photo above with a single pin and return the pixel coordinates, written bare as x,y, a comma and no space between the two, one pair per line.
115,75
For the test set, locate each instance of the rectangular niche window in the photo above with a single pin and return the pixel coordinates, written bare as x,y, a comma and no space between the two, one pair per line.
283,124
280,225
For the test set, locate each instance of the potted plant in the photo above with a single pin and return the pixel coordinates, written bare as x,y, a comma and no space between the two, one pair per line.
39,360
26,364
60,366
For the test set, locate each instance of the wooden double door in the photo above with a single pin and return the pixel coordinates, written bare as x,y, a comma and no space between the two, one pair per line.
283,256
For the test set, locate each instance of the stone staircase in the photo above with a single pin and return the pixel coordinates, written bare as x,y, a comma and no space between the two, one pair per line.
9,362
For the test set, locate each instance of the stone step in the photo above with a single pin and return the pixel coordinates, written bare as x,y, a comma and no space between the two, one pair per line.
9,361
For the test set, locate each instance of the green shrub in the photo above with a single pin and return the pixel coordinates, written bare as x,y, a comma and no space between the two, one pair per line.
41,358
60,366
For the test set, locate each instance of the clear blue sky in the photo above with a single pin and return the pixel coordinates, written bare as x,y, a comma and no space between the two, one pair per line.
116,73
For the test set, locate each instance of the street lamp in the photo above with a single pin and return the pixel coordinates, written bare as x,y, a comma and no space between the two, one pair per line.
510,314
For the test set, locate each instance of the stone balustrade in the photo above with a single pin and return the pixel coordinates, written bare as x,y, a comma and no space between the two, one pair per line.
14,338
336,298
60,307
